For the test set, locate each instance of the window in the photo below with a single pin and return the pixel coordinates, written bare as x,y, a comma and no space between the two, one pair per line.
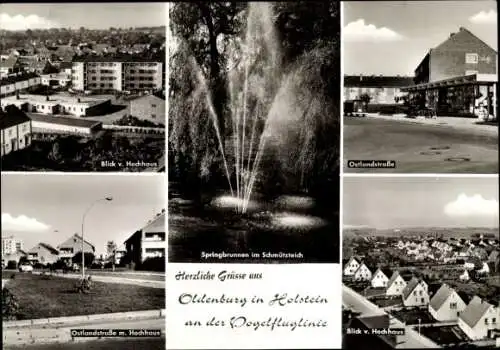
486,320
415,292
153,116
471,58
421,293
453,306
153,106
422,300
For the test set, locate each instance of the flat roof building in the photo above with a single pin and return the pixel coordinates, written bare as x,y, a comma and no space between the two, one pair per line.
381,89
458,77
117,73
58,104
45,124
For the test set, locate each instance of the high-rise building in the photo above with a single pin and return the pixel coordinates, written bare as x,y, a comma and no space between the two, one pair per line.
11,245
117,74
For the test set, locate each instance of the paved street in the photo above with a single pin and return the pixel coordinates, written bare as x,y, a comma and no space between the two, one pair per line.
358,303
16,338
421,147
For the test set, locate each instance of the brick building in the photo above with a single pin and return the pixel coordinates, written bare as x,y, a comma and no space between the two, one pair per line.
458,77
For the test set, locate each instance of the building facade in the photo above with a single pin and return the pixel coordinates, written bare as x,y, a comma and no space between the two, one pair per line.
351,267
479,319
379,279
458,77
43,253
11,245
363,273
148,242
446,304
73,245
19,84
416,293
117,74
45,124
16,129
149,107
396,285
381,89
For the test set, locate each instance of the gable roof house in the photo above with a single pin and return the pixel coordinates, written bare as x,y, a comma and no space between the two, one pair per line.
446,304
363,273
351,267
379,279
73,245
395,285
416,293
478,319
43,253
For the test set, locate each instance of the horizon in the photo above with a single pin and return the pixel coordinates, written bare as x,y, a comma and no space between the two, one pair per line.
97,16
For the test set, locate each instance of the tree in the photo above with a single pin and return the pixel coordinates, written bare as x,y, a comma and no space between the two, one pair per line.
111,249
365,98
89,258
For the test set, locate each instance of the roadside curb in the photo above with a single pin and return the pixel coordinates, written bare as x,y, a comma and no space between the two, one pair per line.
490,132
76,319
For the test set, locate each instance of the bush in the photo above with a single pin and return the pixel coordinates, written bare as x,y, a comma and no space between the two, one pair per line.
153,264
10,305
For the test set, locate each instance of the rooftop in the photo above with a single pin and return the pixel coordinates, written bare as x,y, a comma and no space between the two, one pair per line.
441,296
113,58
78,122
17,78
474,311
11,115
57,99
377,81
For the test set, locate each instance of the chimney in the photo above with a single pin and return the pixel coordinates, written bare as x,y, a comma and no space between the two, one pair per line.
451,34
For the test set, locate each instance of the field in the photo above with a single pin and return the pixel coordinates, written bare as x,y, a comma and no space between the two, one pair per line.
42,297
411,316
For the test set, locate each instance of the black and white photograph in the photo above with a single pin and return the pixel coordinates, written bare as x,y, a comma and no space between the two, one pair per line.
421,262
254,132
82,253
83,87
420,87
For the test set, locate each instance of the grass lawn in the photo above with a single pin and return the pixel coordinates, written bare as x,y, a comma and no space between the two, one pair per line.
411,316
445,335
118,344
55,297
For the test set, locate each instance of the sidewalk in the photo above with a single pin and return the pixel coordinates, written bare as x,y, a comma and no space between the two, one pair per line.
469,124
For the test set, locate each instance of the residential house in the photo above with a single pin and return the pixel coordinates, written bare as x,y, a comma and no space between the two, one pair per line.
416,293
465,276
15,129
9,66
43,253
73,245
16,256
446,304
147,242
395,285
400,245
363,273
379,279
479,319
149,107
351,267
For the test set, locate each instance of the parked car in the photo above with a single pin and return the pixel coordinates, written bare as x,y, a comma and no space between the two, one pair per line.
25,268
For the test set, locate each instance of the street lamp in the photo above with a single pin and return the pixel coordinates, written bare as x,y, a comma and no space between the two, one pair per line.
109,199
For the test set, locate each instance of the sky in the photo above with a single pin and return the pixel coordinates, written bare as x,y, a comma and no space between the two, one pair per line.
392,37
394,202
88,15
49,207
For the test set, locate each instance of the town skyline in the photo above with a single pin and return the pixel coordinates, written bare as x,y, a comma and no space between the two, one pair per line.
49,208
371,29
392,203
21,17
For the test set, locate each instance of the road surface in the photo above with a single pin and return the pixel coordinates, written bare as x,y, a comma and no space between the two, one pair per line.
47,336
420,148
358,303
152,281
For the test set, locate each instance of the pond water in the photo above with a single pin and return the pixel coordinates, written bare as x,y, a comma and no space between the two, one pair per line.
288,226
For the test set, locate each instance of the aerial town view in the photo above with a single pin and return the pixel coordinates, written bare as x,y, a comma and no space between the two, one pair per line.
421,263
420,87
49,287
85,97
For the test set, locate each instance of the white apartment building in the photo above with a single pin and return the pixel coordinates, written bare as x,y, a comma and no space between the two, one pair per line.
18,84
117,74
11,245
